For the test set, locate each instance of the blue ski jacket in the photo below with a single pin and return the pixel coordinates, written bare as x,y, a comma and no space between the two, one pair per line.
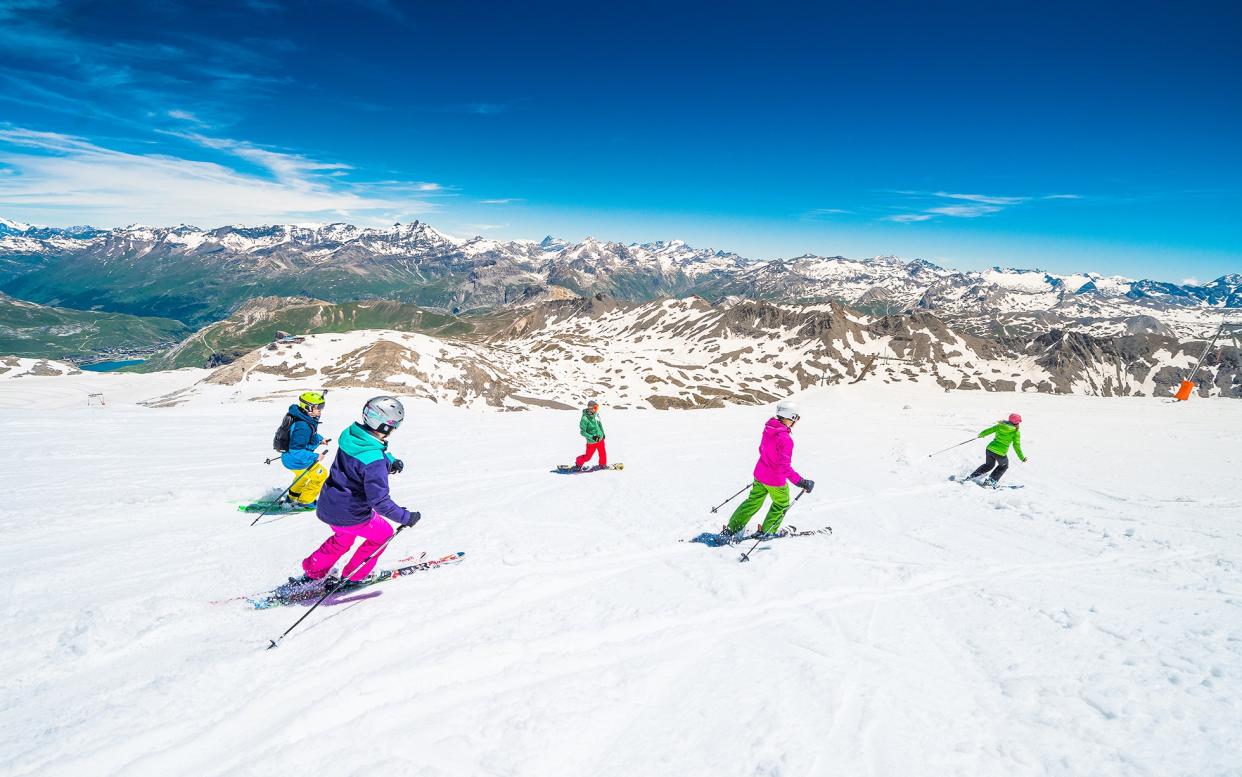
357,485
304,438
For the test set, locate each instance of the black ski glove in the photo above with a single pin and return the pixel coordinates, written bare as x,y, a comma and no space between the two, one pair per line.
806,485
414,518
395,466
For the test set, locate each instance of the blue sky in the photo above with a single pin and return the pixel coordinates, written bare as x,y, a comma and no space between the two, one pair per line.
1068,138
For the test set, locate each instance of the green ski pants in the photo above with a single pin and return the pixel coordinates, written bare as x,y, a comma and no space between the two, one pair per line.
754,500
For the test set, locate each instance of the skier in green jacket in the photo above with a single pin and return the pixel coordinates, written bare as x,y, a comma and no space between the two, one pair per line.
997,460
591,428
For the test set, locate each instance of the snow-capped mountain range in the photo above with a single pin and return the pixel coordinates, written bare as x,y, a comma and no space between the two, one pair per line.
198,276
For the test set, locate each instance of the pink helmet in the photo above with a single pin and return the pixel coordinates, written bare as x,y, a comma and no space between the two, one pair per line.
1015,419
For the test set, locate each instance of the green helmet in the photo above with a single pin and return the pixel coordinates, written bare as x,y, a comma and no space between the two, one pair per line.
309,399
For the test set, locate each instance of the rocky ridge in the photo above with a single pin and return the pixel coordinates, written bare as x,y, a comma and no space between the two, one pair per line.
690,353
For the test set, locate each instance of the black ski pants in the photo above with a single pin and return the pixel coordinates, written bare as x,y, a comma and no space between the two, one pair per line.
1001,463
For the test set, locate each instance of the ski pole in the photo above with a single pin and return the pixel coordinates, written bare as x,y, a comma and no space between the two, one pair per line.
746,555
951,447
730,499
339,583
291,485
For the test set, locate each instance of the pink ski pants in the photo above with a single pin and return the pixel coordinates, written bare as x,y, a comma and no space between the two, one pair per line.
375,532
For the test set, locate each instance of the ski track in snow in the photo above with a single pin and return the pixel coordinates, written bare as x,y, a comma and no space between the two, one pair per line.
1090,623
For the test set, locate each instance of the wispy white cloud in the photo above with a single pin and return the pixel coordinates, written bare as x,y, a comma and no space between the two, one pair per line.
64,174
128,80
285,167
931,205
418,188
502,201
187,117
486,227
817,214
964,211
10,9
986,199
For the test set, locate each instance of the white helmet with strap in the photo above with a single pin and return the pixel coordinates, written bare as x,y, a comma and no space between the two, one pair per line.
788,409
383,414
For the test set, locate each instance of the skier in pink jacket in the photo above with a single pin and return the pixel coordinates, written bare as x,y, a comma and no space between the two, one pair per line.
773,473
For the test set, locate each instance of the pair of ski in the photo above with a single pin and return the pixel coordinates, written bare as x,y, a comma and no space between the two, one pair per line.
296,592
719,540
570,469
268,506
964,479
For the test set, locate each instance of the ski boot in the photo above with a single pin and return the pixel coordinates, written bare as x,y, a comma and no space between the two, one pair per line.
296,585
760,534
350,585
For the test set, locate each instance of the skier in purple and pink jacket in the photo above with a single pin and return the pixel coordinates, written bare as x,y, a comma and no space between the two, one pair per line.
355,501
773,473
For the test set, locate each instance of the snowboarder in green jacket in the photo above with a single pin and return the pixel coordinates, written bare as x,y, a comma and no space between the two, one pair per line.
591,428
997,458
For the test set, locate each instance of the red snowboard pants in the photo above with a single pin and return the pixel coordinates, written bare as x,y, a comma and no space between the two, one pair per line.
592,448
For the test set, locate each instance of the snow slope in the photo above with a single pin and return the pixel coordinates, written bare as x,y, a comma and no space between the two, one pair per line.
13,367
27,385
1086,624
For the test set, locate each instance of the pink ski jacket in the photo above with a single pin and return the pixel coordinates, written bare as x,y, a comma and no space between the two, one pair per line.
775,455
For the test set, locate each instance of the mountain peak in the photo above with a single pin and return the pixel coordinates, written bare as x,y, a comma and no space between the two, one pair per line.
920,264
13,227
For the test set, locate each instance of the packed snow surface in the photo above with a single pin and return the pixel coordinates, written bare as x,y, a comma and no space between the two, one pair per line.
1087,624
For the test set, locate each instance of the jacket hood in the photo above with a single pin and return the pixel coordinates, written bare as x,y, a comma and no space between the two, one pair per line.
361,444
775,425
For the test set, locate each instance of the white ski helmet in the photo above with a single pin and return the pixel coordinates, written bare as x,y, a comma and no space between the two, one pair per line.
788,409
383,414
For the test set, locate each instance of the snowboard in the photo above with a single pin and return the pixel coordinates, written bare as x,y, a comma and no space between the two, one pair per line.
962,479
568,469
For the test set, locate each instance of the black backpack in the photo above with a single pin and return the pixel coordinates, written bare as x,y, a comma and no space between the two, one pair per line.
281,441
